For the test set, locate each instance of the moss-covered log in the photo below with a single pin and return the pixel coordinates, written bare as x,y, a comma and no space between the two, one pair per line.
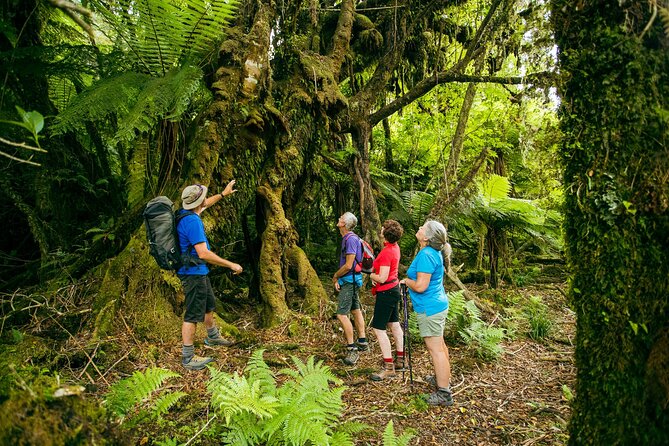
615,101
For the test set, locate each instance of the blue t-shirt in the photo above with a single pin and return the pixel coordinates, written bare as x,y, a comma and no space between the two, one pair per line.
351,244
191,232
434,299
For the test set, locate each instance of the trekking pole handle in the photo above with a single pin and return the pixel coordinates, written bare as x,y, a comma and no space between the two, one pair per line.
403,288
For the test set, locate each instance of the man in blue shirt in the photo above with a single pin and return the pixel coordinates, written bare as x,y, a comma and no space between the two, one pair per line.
200,299
348,282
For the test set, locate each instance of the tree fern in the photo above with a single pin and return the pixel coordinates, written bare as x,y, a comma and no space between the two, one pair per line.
110,97
137,100
125,394
161,35
417,204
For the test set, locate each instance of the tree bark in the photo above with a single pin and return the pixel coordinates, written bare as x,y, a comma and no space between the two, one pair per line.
614,58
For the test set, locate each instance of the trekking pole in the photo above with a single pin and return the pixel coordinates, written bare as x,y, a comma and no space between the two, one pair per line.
407,335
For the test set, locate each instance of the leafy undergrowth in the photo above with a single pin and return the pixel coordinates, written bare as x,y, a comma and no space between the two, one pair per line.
519,398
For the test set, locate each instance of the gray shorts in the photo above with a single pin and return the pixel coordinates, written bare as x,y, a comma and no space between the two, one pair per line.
349,298
432,325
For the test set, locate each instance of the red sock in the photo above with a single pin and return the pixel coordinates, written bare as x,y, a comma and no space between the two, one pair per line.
400,354
388,360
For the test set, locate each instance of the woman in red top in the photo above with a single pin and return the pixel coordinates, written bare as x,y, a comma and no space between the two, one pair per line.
387,291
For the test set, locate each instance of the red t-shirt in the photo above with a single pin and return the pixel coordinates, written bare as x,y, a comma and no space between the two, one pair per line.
389,256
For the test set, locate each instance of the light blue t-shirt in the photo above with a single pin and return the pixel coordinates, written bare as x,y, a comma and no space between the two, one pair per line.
434,299
191,232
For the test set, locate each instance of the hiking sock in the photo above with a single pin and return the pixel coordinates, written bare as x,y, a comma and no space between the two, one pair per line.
399,354
362,340
351,346
213,333
388,360
187,352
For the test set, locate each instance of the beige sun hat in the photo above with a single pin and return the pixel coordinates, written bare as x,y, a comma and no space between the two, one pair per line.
193,196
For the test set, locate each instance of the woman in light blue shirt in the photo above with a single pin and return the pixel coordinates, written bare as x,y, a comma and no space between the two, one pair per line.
425,281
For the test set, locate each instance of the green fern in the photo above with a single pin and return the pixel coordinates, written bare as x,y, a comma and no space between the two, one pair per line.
389,438
127,393
304,410
137,100
484,339
417,204
110,97
165,403
258,371
161,35
234,394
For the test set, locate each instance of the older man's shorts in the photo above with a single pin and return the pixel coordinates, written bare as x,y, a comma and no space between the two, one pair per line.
349,298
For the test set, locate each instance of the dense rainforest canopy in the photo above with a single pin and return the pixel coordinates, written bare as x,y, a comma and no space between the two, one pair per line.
508,121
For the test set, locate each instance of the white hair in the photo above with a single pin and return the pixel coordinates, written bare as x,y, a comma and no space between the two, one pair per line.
436,236
349,220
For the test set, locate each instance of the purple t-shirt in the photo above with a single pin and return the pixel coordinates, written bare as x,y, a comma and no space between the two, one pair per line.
350,244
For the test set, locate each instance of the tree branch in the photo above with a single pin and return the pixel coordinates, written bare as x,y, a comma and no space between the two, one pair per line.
71,10
424,87
342,36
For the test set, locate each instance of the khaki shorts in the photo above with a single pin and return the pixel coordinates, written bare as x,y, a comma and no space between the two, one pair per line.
432,325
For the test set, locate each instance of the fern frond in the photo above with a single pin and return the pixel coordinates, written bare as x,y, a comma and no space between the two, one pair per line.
163,404
258,371
128,392
417,204
161,34
61,91
110,97
494,187
164,97
390,439
344,432
232,395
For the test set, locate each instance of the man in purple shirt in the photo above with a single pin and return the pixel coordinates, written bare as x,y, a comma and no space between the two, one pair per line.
348,281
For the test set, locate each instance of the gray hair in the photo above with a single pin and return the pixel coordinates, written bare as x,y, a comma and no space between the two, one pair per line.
437,237
349,220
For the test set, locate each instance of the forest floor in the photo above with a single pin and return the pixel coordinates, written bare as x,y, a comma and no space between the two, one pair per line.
519,399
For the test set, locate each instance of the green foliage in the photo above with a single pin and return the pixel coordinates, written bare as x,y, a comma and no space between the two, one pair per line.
137,100
165,402
303,410
160,35
465,325
389,438
540,321
127,393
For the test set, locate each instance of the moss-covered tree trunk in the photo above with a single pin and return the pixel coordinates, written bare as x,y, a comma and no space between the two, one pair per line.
615,115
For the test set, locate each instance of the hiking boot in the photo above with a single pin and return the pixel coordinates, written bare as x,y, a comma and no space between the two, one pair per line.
399,364
431,380
441,397
217,341
362,346
386,372
352,356
195,362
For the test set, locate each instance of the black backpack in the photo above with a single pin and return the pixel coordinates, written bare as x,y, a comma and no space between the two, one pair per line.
161,232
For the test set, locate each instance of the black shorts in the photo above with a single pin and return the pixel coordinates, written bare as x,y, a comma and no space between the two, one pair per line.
386,308
200,297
